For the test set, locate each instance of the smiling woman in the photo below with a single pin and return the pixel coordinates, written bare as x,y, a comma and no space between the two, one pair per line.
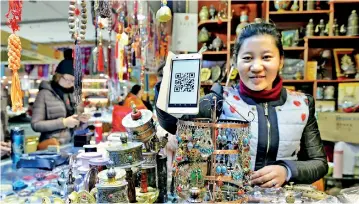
285,142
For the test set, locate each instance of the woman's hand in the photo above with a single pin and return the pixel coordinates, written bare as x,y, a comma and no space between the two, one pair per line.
269,176
71,121
84,118
5,148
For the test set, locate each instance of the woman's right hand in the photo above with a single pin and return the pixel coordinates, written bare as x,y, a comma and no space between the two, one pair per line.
71,121
5,148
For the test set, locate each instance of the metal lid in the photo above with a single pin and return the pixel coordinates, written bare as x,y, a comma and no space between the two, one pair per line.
128,122
125,145
99,161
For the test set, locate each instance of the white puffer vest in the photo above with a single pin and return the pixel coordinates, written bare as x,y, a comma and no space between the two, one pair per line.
291,117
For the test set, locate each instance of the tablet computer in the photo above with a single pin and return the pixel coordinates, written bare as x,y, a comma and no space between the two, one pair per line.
183,96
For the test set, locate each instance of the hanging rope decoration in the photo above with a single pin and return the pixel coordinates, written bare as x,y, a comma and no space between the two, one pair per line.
109,49
77,30
14,52
77,26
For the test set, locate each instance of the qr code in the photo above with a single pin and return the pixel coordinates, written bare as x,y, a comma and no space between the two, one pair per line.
184,82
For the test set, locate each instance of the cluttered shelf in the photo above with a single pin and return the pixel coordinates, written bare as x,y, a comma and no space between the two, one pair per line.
218,21
298,12
338,81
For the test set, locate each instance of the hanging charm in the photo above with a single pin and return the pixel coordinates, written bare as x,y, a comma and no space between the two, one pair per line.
164,14
14,52
100,58
77,25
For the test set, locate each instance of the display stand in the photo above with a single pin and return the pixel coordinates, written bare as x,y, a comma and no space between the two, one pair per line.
218,147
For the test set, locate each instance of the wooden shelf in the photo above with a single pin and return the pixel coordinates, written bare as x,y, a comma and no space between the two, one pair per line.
218,21
337,81
298,81
343,1
332,37
298,12
293,48
223,52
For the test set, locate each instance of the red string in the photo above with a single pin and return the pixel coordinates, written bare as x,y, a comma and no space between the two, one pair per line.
14,14
100,59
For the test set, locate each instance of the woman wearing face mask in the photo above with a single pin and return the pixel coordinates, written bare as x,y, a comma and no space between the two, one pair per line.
285,143
53,111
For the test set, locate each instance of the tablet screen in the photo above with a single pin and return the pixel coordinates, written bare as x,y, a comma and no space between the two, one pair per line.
184,83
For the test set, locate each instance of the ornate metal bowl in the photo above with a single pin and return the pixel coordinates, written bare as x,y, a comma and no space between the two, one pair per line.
112,192
141,129
127,154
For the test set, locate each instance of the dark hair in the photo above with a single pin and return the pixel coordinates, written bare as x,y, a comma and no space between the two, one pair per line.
68,54
135,89
254,29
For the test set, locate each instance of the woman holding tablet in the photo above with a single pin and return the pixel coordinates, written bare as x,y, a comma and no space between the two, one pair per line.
285,143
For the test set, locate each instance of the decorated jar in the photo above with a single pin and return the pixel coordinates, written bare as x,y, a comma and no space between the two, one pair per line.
203,35
204,14
281,5
127,154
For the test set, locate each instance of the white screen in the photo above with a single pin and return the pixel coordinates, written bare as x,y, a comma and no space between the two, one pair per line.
184,83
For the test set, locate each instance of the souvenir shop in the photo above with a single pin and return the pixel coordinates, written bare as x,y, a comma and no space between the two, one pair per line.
94,110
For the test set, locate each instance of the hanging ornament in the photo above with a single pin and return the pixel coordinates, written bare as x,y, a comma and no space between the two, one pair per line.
164,14
14,52
109,49
104,9
77,25
100,58
121,41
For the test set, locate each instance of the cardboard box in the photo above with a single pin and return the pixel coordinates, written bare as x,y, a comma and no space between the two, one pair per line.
339,127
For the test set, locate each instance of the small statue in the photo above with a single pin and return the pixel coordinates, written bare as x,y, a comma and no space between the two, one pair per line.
310,28
320,28
212,12
295,6
347,65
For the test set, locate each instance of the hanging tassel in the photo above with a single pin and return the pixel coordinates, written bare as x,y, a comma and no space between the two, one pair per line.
78,74
109,61
100,62
14,55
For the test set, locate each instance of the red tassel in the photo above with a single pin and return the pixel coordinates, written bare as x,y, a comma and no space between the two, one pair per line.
100,62
109,61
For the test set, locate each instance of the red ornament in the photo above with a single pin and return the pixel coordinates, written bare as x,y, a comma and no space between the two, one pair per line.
77,11
304,116
179,189
297,103
100,62
236,97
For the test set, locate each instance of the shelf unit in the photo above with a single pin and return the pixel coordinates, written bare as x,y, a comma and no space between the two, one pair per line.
284,20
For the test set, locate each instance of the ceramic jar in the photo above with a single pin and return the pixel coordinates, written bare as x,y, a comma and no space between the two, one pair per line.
329,92
281,5
203,35
244,22
217,43
353,24
204,14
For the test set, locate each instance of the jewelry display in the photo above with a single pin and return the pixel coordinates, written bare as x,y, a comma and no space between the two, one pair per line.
212,154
